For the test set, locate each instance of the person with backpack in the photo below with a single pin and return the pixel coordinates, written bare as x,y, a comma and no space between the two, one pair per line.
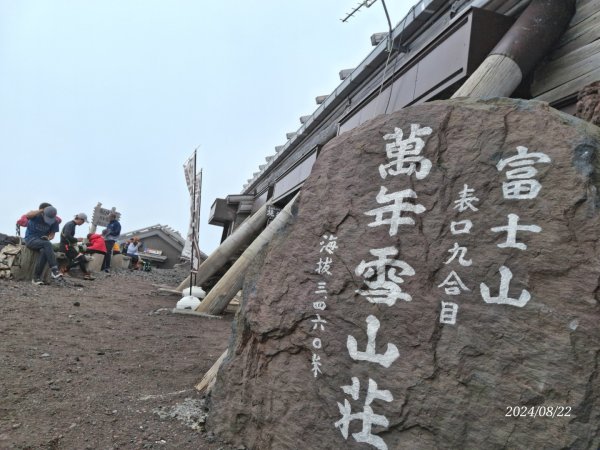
111,235
41,228
69,245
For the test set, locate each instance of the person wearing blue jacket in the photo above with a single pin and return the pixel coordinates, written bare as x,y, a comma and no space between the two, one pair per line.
111,235
41,227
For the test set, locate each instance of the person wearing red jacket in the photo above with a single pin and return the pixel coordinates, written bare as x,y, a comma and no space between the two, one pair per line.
95,244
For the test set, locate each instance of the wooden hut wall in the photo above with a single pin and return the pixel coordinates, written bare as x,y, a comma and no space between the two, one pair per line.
575,62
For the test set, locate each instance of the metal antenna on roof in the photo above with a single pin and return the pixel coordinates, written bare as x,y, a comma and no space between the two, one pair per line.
390,44
366,3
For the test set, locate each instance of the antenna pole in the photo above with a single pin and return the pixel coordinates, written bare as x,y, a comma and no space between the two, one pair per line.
366,3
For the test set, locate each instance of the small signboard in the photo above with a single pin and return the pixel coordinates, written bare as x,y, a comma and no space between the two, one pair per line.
100,215
272,212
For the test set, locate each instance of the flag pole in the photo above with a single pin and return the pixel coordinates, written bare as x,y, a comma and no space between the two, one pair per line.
192,274
196,242
198,223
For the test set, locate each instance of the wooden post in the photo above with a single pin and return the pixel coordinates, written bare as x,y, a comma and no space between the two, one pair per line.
221,294
497,76
210,377
217,259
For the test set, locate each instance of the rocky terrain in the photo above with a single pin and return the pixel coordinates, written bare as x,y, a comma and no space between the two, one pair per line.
104,365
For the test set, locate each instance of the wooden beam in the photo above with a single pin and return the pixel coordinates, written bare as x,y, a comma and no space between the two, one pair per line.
567,68
240,237
581,34
583,3
229,285
497,76
210,377
190,312
570,88
584,10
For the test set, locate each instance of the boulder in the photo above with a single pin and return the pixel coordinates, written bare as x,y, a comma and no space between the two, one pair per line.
95,262
438,288
588,103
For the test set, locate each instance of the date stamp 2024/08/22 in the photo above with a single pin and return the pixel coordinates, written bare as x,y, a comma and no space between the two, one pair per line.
538,411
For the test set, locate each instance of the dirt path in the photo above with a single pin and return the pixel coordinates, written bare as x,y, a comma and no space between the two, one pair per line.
101,365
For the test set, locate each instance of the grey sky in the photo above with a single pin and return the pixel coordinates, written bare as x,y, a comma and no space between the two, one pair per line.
103,100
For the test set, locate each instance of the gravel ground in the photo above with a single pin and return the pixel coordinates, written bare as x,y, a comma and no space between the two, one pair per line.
104,364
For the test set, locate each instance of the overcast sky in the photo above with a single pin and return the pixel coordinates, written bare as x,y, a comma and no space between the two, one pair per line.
104,100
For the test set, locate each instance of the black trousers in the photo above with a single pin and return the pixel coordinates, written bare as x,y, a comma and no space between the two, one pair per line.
109,249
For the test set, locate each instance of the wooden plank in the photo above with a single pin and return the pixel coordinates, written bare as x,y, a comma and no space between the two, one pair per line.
578,36
208,380
583,3
570,58
169,291
584,10
572,87
581,28
567,68
189,312
581,41
592,35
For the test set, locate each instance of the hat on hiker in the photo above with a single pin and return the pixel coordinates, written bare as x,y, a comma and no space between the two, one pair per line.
49,215
82,216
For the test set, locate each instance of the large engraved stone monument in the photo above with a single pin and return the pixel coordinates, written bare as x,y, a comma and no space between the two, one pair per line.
438,288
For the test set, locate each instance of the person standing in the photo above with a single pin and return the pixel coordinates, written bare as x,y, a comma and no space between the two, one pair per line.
111,234
41,228
69,245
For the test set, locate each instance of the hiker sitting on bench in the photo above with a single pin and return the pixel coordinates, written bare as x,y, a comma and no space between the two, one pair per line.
69,245
133,252
23,220
95,244
41,227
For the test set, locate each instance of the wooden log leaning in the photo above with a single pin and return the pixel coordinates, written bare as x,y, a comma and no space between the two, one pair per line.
210,377
228,286
497,76
240,237
530,38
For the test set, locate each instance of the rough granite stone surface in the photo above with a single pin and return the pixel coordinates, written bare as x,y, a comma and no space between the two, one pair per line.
430,378
588,103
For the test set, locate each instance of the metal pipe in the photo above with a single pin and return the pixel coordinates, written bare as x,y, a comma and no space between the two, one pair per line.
535,32
530,38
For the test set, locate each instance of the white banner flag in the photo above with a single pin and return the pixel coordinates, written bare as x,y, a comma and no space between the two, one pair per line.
195,195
